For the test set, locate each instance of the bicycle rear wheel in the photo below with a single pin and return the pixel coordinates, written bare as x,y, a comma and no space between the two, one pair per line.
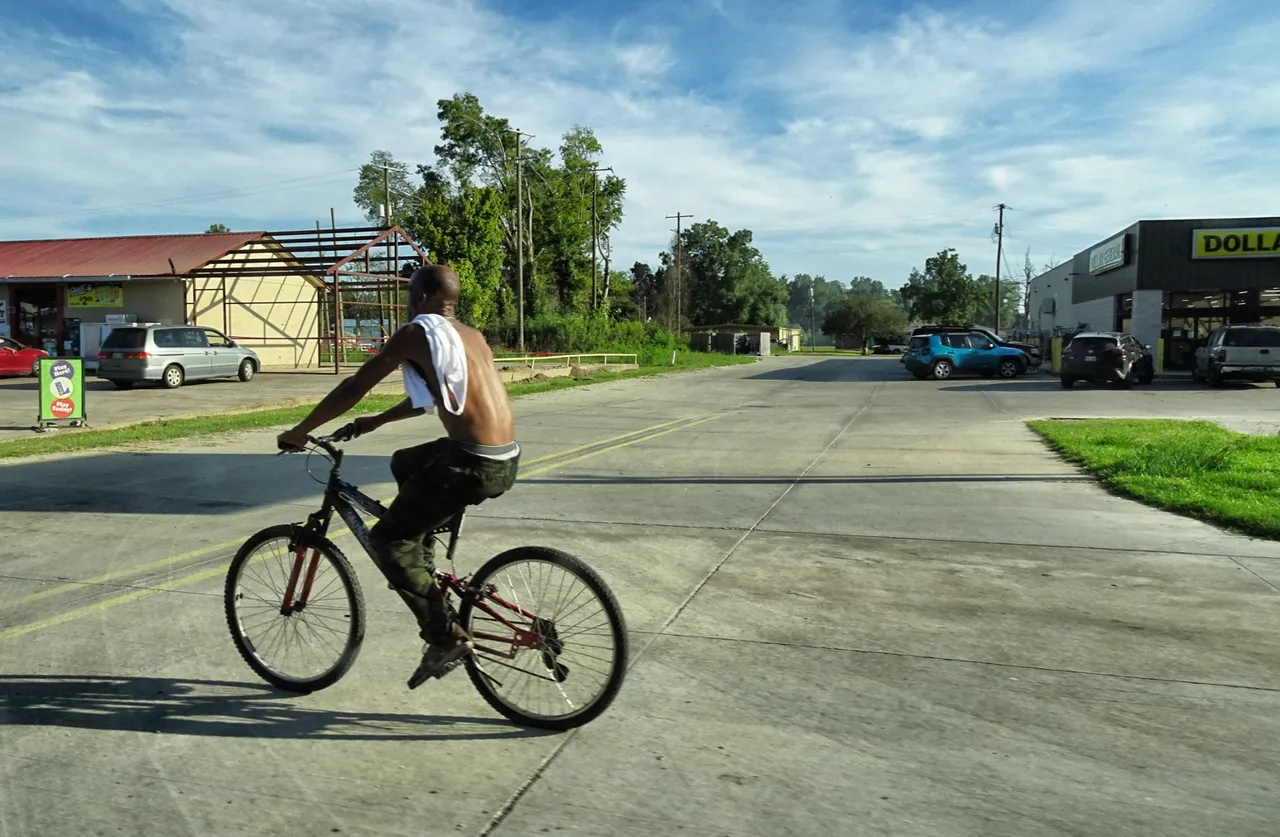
551,642
323,622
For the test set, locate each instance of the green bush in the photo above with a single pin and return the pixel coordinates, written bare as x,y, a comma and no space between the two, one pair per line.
565,333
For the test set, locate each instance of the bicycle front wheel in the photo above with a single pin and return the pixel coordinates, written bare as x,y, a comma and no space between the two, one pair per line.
551,644
296,615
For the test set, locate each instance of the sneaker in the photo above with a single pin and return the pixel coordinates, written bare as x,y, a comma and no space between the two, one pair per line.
439,660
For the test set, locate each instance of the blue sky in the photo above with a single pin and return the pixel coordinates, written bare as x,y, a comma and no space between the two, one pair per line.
853,138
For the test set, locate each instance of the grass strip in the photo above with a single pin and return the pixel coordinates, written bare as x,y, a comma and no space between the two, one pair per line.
163,430
1195,468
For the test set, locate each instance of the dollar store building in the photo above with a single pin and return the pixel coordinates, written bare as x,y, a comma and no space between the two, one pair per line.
1168,283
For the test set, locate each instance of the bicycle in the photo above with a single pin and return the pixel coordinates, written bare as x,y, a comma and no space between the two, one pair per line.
565,646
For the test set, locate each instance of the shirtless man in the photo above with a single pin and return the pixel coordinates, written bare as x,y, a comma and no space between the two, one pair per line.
477,461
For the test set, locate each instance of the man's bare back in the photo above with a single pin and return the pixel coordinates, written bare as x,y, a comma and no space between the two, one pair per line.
486,417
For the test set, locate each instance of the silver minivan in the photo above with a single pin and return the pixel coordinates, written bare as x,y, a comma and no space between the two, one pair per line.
1241,352
172,355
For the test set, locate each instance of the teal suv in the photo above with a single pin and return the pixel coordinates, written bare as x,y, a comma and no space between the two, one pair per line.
940,356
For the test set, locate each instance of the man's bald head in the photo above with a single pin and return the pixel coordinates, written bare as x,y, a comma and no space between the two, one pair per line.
434,289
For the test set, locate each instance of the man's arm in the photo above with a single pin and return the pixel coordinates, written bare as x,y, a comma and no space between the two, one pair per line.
403,410
348,393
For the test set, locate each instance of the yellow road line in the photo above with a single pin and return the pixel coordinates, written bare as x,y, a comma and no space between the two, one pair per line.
98,607
206,550
565,462
210,572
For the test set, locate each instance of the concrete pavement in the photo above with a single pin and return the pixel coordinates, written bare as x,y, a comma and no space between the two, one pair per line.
860,604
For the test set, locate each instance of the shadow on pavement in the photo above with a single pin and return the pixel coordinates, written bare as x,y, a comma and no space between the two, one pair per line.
833,370
870,480
1054,385
194,483
219,709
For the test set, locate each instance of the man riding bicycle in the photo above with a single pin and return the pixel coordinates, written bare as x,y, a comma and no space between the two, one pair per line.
448,364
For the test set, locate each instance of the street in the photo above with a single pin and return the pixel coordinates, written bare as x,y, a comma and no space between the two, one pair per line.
859,604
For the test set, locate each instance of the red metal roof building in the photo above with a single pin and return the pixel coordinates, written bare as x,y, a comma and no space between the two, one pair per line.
134,255
278,293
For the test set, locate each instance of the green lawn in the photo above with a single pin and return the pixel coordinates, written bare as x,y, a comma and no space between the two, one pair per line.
166,430
1195,468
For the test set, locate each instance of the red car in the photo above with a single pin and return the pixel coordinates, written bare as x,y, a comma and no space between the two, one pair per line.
17,359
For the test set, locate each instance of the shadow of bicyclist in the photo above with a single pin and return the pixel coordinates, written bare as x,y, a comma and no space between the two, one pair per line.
216,708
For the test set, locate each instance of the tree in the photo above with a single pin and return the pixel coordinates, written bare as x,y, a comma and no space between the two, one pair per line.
944,294
826,294
1010,299
461,227
371,192
218,228
862,316
727,280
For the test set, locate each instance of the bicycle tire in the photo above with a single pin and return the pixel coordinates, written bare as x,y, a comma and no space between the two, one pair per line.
355,599
617,623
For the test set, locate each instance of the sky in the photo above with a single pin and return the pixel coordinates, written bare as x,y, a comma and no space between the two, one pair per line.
853,138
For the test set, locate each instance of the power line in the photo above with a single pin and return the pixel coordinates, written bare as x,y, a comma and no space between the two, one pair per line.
246,191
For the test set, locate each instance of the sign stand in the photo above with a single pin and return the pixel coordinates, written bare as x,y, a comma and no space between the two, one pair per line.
62,394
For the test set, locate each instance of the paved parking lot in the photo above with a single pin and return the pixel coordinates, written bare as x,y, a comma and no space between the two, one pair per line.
109,406
860,604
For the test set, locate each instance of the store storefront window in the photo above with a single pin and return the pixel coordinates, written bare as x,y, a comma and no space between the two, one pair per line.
1124,313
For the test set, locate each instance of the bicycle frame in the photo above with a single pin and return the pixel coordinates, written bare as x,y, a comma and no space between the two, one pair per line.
344,498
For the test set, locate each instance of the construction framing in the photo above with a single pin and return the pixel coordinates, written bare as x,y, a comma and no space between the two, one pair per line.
366,265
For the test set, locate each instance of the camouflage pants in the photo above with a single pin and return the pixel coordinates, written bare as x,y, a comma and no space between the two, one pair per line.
437,480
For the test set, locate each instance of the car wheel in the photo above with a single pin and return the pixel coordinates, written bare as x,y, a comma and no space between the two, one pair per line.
173,376
1067,383
35,368
1009,368
246,370
1127,381
123,384
942,370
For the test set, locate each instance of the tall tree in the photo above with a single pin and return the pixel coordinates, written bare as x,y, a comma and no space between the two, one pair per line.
1010,299
383,181
218,228
861,316
728,279
462,226
945,293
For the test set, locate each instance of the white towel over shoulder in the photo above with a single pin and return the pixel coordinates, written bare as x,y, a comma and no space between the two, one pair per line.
450,359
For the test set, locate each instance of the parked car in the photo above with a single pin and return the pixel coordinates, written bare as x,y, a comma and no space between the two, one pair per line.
939,356
888,348
17,359
1106,357
1033,353
172,355
1239,352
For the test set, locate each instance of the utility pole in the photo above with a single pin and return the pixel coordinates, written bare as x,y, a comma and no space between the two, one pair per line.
595,230
679,268
520,236
813,329
386,192
999,255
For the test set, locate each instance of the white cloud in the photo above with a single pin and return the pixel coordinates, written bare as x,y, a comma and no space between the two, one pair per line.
847,151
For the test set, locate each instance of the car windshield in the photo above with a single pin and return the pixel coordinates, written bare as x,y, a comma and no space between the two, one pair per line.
1093,344
125,338
1252,338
